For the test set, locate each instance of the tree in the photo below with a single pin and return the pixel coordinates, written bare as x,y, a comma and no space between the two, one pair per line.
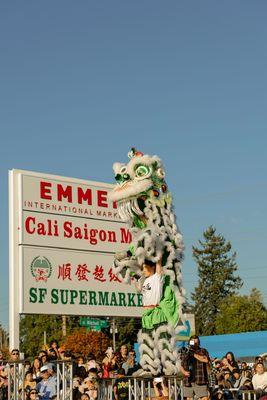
83,342
242,314
32,328
127,331
216,268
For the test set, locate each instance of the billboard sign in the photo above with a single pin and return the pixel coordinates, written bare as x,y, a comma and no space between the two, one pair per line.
63,236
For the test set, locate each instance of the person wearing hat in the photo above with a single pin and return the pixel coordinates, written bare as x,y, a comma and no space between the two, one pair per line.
47,388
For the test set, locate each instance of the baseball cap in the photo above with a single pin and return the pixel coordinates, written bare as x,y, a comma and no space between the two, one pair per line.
44,368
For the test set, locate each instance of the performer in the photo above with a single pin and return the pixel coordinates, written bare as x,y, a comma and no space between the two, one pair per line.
154,258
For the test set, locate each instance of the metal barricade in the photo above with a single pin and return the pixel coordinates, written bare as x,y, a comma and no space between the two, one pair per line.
141,388
16,377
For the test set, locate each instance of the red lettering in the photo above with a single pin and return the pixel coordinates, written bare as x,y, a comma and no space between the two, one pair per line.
27,225
126,236
67,229
45,191
102,235
66,193
84,196
102,198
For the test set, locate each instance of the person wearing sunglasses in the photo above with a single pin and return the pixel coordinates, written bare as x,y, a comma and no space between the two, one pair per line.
32,395
14,355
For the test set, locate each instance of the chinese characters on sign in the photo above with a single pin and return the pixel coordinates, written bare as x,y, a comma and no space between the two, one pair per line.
83,273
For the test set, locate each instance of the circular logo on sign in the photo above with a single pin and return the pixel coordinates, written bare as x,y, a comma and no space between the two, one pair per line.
41,268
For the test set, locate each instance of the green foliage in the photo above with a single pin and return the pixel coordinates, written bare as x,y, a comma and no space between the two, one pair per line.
127,331
242,314
32,328
216,268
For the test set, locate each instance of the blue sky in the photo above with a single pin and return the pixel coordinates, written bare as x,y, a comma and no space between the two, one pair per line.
82,82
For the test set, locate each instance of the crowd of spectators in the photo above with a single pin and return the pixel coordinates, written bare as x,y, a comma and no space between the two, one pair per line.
227,377
230,377
41,379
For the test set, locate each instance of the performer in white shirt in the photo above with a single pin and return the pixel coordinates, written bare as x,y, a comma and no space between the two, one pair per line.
160,308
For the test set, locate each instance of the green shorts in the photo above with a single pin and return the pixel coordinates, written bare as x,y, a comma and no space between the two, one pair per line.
167,312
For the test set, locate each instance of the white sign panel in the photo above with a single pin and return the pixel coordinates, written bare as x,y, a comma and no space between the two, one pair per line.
63,236
75,283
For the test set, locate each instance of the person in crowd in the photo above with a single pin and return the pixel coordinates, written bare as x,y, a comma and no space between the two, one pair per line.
14,356
36,366
258,359
29,382
244,366
84,396
231,361
67,356
54,346
122,356
259,380
47,388
77,381
1,359
44,358
130,365
32,395
228,383
41,353
80,361
52,371
61,352
115,366
121,386
108,362
194,367
27,365
52,355
90,387
3,384
246,380
92,363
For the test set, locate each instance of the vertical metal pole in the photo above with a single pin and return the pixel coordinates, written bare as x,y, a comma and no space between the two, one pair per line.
149,389
15,382
63,381
169,388
114,334
58,380
142,390
14,292
45,339
175,389
130,389
135,389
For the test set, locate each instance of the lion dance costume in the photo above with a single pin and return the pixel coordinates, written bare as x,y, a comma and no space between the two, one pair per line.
145,203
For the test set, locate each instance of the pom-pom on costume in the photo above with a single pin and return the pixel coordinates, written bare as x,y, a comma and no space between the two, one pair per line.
145,203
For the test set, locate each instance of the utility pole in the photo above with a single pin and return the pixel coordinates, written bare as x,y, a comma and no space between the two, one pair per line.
113,330
64,325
